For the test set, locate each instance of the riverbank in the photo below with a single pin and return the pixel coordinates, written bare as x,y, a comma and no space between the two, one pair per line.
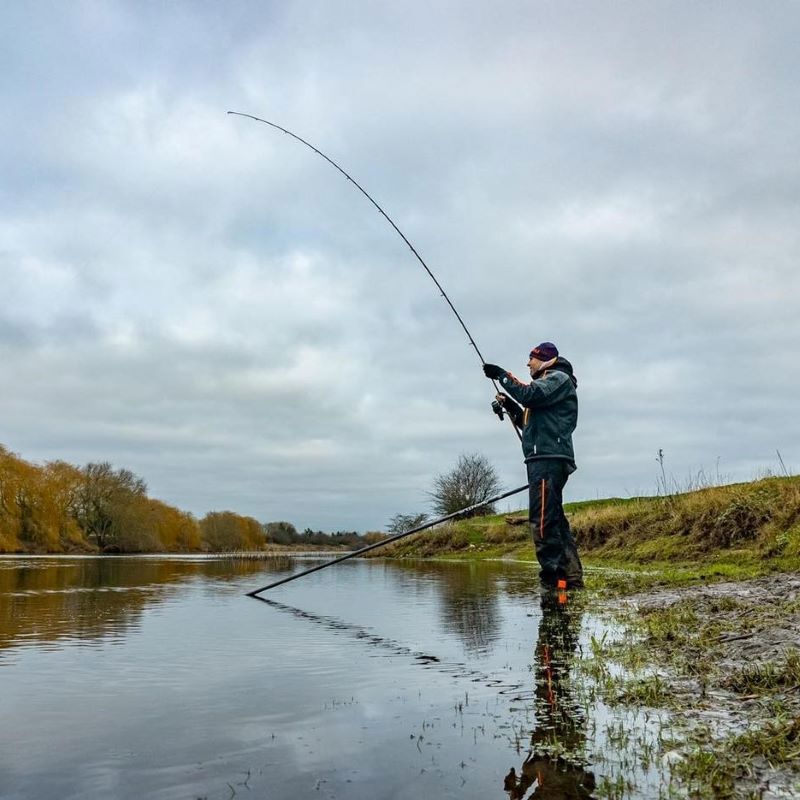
704,591
740,530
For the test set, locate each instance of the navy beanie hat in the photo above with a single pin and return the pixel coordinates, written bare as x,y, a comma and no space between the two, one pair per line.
544,351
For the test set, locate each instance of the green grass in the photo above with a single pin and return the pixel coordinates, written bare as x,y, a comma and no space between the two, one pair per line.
760,678
712,767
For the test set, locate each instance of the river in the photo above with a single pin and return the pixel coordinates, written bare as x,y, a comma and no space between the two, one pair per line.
156,677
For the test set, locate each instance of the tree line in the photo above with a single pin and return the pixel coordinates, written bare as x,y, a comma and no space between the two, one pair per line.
286,533
58,507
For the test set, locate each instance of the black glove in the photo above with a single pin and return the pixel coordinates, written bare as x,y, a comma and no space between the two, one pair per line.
507,405
497,407
493,371
505,401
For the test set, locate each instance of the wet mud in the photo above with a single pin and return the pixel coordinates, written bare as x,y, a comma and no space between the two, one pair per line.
724,660
767,608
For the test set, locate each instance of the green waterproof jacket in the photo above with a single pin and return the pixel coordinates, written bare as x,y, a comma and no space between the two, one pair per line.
549,412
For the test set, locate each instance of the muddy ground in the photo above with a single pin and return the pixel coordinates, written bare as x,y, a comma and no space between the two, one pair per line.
724,660
761,617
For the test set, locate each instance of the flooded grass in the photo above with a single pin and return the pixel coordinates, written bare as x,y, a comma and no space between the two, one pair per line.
720,665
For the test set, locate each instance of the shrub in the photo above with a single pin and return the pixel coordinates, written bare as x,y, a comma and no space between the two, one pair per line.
473,480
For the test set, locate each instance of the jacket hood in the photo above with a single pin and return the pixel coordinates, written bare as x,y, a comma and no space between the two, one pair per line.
561,365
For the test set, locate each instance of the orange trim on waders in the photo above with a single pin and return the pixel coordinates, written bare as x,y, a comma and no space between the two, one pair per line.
541,514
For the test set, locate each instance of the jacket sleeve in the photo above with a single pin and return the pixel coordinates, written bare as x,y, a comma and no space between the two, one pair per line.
544,391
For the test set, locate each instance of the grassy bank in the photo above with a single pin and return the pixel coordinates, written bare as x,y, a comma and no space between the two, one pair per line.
731,531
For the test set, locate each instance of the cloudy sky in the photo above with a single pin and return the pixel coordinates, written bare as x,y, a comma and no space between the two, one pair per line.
199,298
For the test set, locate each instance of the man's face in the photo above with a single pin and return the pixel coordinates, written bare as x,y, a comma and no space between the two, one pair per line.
534,364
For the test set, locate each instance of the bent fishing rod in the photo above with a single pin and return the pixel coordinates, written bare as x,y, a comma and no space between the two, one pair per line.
392,223
384,542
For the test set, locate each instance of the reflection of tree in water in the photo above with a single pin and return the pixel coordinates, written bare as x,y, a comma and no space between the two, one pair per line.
469,598
554,765
90,598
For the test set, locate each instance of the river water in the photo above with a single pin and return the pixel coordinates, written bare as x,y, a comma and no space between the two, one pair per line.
154,677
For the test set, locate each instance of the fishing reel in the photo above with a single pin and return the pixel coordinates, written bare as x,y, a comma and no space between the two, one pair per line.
498,409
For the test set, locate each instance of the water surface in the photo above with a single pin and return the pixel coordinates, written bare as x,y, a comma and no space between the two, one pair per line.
156,677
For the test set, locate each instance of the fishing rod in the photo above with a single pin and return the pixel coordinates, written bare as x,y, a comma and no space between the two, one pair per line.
384,542
399,232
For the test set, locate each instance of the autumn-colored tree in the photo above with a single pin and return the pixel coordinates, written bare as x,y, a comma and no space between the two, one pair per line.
175,530
224,530
57,489
58,507
12,470
36,505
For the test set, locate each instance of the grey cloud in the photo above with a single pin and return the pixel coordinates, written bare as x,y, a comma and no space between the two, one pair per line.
203,300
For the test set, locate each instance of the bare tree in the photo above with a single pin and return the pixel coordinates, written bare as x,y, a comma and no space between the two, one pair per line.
400,523
471,481
280,532
104,499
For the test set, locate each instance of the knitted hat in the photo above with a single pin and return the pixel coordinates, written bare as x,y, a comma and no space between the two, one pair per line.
544,351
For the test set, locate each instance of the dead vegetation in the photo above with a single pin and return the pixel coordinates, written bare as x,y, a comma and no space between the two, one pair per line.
764,514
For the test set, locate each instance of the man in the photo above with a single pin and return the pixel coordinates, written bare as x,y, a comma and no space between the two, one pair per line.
547,418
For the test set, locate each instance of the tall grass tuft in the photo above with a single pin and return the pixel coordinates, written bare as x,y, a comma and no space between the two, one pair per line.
765,513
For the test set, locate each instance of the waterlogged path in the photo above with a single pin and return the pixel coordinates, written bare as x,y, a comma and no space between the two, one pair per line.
156,677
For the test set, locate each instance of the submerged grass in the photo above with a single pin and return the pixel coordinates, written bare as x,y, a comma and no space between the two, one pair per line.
724,664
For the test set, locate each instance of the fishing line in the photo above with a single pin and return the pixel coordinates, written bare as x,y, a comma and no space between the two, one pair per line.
391,222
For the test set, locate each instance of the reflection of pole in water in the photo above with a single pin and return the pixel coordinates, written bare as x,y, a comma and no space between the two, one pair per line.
554,765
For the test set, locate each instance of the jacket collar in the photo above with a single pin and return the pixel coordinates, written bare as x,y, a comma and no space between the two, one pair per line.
559,365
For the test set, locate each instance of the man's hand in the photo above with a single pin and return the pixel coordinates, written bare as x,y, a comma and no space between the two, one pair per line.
504,401
504,404
493,371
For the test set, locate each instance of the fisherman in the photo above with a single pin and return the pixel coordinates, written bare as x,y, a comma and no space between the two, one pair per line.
547,414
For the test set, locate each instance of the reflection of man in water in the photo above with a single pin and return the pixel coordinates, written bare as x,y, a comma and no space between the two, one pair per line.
560,721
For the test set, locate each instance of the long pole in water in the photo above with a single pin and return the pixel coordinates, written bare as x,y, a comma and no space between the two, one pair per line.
391,539
392,223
